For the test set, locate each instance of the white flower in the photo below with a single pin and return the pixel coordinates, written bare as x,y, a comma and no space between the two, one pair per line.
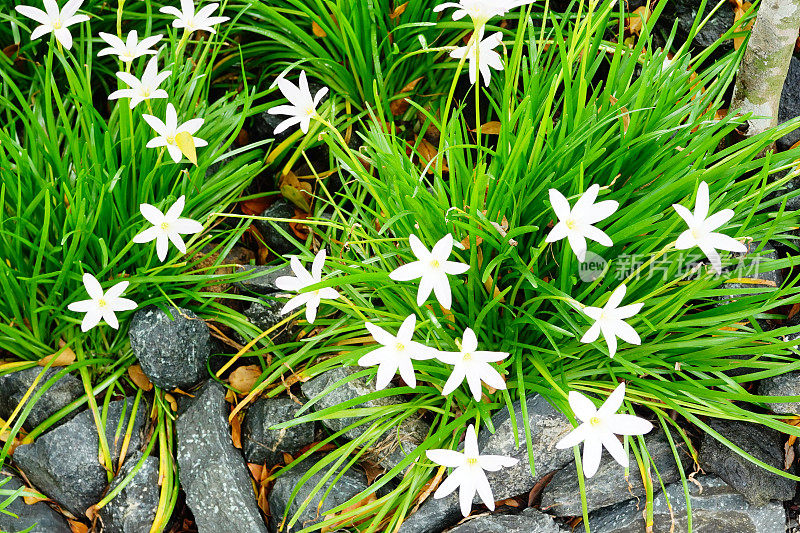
600,427
144,89
482,55
102,305
480,11
53,20
433,267
701,229
189,20
472,364
395,353
167,132
167,227
130,50
303,279
469,475
610,321
576,224
302,106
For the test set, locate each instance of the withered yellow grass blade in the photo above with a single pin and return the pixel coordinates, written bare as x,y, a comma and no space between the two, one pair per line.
185,142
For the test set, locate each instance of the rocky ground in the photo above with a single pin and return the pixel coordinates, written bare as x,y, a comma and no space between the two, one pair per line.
727,493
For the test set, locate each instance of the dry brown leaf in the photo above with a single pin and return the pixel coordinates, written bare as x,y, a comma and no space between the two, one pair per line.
78,527
236,431
139,378
638,18
752,281
317,30
399,10
287,458
296,191
788,454
400,105
30,500
373,470
349,522
173,403
255,470
738,13
626,118
254,206
428,153
244,378
490,128
64,357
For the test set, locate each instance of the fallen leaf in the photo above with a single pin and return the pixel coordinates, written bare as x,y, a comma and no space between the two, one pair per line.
788,449
64,357
626,118
400,105
78,527
349,522
244,378
254,206
255,470
490,128
399,10
638,18
296,191
738,13
30,500
236,431
287,458
428,153
185,142
139,378
752,281
317,30
173,403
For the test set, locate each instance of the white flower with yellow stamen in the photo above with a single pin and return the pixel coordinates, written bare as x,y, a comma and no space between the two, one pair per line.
101,305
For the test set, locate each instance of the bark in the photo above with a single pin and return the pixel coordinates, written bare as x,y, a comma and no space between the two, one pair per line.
765,63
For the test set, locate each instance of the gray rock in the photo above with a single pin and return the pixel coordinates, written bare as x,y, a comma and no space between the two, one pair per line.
790,104
265,314
398,442
529,521
351,482
782,385
212,471
757,485
547,425
753,266
63,462
562,495
264,445
134,508
284,209
264,281
717,509
38,515
13,387
172,350
687,11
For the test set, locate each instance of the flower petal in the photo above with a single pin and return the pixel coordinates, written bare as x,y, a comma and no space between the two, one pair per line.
92,286
582,406
448,458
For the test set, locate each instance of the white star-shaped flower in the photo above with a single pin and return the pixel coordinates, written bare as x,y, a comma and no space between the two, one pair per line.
482,55
472,364
701,229
128,50
395,353
610,320
303,279
576,223
167,227
167,132
480,11
144,89
469,475
302,106
600,427
54,20
189,20
101,305
433,267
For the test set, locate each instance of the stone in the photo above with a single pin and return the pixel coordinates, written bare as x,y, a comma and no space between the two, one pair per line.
15,385
38,516
753,266
284,209
757,485
687,11
790,104
263,281
264,315
528,521
172,350
782,385
209,262
134,508
212,472
351,482
547,425
717,509
263,445
63,462
399,442
562,495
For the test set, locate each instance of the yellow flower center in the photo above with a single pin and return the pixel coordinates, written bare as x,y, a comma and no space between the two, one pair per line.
57,24
435,264
594,421
171,140
467,356
164,226
400,347
102,302
697,234
571,223
145,92
472,461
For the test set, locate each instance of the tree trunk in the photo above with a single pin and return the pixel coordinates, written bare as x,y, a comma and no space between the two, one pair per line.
766,61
